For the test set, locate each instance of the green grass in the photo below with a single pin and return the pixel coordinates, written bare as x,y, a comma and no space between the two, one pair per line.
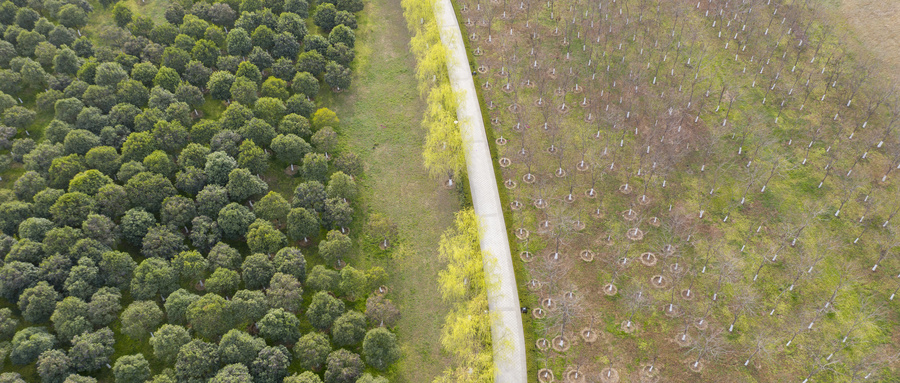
380,121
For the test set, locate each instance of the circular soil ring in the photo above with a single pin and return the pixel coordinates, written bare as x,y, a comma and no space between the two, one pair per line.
482,69
648,259
588,335
515,205
575,376
510,184
539,102
526,256
473,37
701,324
635,234
544,226
487,86
381,290
552,149
598,213
578,225
659,281
671,310
585,104
545,376
586,255
534,285
560,344
687,295
669,249
529,178
542,344
538,313
548,304
684,340
582,166
477,52
625,189
291,170
648,375
569,198
501,141
675,269
514,108
628,327
504,162
590,118
590,193
695,367
448,184
644,200
554,256
563,109
495,121
560,173
540,203
522,233
610,289
629,215
609,375
653,221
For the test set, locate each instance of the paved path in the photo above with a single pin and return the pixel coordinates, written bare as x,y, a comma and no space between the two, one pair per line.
503,296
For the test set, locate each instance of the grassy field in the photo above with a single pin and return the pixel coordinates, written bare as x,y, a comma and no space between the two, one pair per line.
380,121
725,174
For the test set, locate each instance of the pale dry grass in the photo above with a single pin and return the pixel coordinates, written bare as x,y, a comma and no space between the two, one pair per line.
876,24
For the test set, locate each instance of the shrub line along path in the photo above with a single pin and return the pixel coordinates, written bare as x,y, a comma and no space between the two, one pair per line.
503,296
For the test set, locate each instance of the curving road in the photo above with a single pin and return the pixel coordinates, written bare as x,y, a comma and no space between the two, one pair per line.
503,296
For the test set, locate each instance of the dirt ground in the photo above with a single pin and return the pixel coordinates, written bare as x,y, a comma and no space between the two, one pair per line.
876,25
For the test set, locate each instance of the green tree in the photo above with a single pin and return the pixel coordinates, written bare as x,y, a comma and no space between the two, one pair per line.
306,376
223,256
302,224
312,349
153,277
337,76
271,109
323,310
341,186
324,16
112,200
323,279
67,109
290,148
238,42
29,343
54,366
279,326
91,350
342,34
206,314
284,292
211,200
131,369
162,242
141,317
262,237
259,131
70,318
252,157
197,362
148,190
89,182
205,233
177,211
235,372
354,283
235,220
193,154
18,117
380,348
337,213
137,146
271,365
272,207
167,341
218,167
109,74
121,14
103,158
223,281
349,329
190,180
117,268
16,276
72,16
37,303
312,62
305,83
343,366
167,78
242,185
335,247
243,90
190,265
256,271
177,305
33,229
219,85
8,323
237,346
189,94
104,306
135,225
71,209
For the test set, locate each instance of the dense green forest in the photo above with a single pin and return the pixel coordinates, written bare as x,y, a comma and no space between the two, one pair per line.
174,205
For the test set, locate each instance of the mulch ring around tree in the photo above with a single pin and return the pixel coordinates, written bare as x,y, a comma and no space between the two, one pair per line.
560,343
586,255
545,376
609,375
589,335
648,259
